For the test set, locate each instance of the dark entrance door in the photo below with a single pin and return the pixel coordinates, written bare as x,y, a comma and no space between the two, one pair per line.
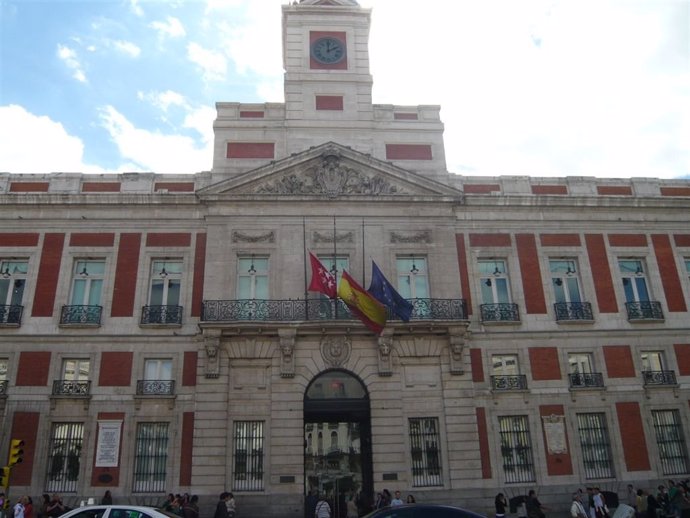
337,438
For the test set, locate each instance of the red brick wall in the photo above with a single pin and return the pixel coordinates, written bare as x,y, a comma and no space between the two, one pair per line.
619,361
405,116
601,273
174,186
614,190
107,477
557,464
189,369
544,363
464,271
92,239
682,239
482,431
632,436
187,449
627,240
250,150
168,239
408,152
251,114
477,365
531,274
329,102
29,186
481,188
48,274
126,275
199,272
100,187
682,358
560,239
665,258
549,189
18,239
675,191
477,240
33,369
25,426
116,369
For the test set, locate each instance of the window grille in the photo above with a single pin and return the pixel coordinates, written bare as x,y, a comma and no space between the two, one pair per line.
670,441
248,459
150,458
64,457
425,452
595,445
516,449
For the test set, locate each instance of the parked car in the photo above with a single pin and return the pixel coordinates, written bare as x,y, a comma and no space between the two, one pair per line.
117,511
423,511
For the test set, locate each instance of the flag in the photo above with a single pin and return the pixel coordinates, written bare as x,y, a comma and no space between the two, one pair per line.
321,279
365,307
385,293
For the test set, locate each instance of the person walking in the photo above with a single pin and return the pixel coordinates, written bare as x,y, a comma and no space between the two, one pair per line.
500,503
323,509
577,508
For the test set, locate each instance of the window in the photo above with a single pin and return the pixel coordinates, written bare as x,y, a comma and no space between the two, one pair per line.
516,449
494,282
426,454
580,363
3,376
74,379
87,283
670,441
158,369
581,371
687,267
12,282
413,282
75,370
252,278
505,365
595,446
158,378
634,280
64,457
653,361
248,457
150,458
166,276
566,285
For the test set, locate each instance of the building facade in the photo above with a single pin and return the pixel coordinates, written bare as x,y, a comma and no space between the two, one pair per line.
157,335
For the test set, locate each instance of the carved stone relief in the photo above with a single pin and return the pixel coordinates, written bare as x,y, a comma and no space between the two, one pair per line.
287,349
456,345
212,347
245,237
422,237
340,237
385,346
335,350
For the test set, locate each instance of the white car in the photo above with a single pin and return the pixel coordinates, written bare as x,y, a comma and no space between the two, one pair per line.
117,511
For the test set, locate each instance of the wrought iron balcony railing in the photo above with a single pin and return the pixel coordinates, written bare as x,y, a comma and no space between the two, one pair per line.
645,310
659,378
161,315
155,387
573,311
3,387
11,315
502,312
586,380
81,315
319,310
513,382
71,388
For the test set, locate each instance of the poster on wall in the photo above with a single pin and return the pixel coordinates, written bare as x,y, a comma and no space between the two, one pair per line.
554,431
108,447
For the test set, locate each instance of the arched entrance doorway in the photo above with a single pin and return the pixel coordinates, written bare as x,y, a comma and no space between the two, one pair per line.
337,439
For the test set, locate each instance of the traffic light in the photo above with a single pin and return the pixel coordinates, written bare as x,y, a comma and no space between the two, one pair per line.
5,477
16,452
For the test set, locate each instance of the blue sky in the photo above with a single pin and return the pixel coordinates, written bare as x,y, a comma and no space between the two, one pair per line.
540,87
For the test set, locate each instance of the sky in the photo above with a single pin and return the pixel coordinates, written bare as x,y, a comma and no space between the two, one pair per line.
532,87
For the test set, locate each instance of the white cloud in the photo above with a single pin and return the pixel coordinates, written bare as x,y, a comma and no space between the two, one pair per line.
171,27
136,8
69,57
201,120
212,63
153,151
127,47
32,144
164,100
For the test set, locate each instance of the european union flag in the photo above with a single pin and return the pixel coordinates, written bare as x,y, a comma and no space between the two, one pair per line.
385,293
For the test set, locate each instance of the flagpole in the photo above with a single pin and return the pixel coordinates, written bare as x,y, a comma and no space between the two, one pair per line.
364,266
304,257
335,266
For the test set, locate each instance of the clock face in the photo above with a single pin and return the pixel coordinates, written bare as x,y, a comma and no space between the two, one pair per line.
328,50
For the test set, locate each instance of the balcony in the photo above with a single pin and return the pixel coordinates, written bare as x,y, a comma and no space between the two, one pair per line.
586,380
507,383
71,388
659,378
3,388
645,311
77,316
155,387
319,310
573,312
499,313
11,316
161,315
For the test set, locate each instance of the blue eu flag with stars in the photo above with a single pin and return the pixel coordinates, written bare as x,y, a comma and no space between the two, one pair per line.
385,293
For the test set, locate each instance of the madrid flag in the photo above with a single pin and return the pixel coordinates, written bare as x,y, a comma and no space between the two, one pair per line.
321,279
365,307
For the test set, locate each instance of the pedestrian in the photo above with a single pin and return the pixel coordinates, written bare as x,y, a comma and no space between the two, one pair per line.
500,503
221,506
191,508
19,507
107,498
323,509
410,500
230,504
534,507
397,500
577,509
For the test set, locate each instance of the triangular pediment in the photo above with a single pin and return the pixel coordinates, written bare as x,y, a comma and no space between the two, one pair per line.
329,2
330,171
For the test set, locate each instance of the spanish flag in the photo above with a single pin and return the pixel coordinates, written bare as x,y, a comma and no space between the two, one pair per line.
365,307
